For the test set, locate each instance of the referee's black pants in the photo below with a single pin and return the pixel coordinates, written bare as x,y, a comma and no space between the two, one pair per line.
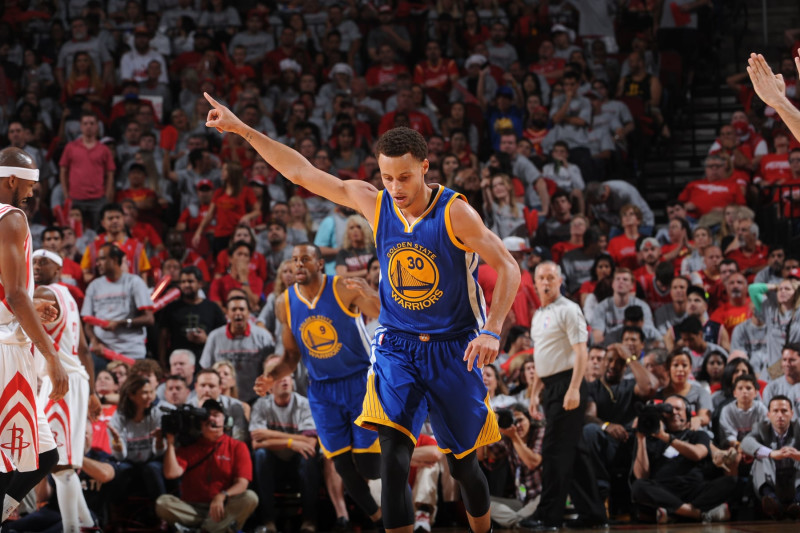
566,462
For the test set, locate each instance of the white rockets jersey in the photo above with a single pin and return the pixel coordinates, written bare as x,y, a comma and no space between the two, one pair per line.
65,332
10,330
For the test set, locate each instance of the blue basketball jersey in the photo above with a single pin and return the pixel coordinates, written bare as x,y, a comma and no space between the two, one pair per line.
332,339
429,280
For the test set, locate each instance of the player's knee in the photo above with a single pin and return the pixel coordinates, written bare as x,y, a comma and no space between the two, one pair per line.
368,465
344,465
464,469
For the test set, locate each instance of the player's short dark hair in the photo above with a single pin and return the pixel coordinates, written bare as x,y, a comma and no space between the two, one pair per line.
400,141
316,249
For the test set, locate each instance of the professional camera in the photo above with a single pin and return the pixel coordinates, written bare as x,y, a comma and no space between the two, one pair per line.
651,416
184,422
505,418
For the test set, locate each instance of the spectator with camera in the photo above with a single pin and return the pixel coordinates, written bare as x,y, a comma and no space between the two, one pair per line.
285,451
668,467
612,409
774,443
214,472
136,440
186,323
208,386
522,445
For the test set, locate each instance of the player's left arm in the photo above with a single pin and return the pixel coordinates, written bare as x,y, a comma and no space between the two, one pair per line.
469,229
356,293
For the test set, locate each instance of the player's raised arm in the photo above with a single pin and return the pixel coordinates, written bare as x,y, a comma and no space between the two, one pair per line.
355,194
473,233
771,88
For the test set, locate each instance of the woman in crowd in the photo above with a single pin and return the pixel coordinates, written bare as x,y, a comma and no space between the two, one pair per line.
347,157
522,442
227,378
462,150
120,371
300,227
505,215
450,167
357,249
258,263
711,370
776,304
458,121
83,80
136,439
679,366
496,388
601,270
234,203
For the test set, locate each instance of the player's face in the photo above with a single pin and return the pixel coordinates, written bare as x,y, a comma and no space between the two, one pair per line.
207,388
21,192
306,264
403,178
44,271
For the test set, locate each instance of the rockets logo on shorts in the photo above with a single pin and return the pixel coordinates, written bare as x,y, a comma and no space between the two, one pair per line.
18,427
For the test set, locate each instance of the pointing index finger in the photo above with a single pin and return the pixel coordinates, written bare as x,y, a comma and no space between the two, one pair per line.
211,101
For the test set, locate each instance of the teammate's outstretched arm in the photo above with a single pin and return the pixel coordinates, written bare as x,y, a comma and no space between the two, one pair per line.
355,194
473,233
13,231
771,88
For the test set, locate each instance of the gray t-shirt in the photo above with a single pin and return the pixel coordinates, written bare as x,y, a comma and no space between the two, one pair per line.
119,300
91,46
665,317
574,136
622,193
138,446
255,44
735,423
294,418
752,340
554,330
780,386
608,315
247,353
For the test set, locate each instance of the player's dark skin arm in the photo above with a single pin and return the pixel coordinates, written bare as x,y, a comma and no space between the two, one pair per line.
84,356
13,231
357,295
286,364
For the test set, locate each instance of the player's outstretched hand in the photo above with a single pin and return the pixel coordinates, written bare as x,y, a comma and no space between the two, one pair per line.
482,350
58,377
221,117
263,385
358,284
45,309
770,87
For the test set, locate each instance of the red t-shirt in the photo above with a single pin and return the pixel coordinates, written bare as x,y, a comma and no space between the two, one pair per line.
100,439
548,68
647,281
230,209
678,261
193,221
146,234
137,195
220,287
707,195
87,169
775,168
423,440
714,288
71,273
379,75
229,461
258,264
623,251
487,279
435,77
752,262
730,315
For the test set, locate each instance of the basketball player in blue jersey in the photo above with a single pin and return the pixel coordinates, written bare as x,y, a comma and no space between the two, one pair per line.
432,312
321,319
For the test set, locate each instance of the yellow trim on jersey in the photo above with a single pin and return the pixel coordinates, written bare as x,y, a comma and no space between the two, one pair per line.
490,433
409,229
373,415
333,454
312,304
375,447
288,307
449,225
378,202
347,311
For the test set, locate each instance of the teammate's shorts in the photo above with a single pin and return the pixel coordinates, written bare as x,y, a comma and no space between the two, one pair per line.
67,418
335,405
411,378
24,432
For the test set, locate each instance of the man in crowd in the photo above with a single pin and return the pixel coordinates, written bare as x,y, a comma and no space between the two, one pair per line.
240,343
208,386
215,495
186,322
789,383
112,220
123,301
611,311
752,255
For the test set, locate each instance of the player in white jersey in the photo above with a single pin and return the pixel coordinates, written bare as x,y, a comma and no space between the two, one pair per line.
66,417
26,443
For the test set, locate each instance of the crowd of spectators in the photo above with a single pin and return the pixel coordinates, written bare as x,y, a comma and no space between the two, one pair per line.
177,240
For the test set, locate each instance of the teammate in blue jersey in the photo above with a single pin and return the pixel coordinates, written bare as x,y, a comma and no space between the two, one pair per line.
432,312
321,317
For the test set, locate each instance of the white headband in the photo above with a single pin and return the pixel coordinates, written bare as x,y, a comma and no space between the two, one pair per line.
31,174
52,256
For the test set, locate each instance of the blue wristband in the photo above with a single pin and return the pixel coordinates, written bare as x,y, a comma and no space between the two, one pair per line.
490,333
